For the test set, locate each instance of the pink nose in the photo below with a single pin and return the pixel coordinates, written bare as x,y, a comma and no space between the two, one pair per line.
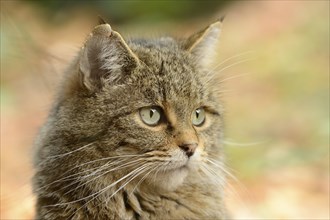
189,149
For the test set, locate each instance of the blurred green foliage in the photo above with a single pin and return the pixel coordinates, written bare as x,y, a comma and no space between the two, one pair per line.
293,124
120,11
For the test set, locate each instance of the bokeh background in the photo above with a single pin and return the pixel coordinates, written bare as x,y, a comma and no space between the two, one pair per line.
276,91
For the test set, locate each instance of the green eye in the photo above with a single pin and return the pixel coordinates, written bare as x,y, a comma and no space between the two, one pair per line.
150,115
198,117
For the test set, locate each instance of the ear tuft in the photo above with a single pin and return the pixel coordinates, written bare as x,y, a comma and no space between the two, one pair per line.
222,18
101,20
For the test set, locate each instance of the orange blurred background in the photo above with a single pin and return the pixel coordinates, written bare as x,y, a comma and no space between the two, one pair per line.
277,92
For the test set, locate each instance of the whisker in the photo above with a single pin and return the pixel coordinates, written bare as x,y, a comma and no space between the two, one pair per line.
227,142
234,64
135,173
129,164
81,199
212,76
143,178
68,153
237,55
133,177
226,60
213,175
107,158
67,178
231,188
232,176
233,77
154,177
223,169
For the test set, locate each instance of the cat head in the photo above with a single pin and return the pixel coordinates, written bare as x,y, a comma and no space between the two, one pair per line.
151,104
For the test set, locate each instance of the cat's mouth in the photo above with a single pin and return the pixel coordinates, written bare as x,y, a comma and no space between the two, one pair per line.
181,165
170,178
172,172
181,162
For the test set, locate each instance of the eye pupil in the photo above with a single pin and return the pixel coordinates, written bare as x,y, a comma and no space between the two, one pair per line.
197,113
151,113
198,117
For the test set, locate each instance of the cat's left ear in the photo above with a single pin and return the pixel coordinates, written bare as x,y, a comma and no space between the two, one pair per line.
202,45
105,58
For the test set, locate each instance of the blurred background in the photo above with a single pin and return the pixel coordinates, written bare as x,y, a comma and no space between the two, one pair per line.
274,58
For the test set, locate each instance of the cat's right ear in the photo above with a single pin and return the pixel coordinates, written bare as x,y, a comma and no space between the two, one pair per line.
202,44
105,58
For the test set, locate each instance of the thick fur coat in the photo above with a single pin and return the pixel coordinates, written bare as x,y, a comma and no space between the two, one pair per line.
96,157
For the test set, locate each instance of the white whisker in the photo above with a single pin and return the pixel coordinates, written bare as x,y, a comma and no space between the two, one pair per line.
129,164
143,178
234,64
233,77
227,142
210,72
81,199
134,174
67,178
223,169
222,183
68,153
235,56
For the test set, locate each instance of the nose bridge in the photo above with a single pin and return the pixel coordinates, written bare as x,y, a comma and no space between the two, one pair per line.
180,120
182,130
184,135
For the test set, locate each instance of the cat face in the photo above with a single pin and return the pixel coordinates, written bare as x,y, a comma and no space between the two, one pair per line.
150,105
174,115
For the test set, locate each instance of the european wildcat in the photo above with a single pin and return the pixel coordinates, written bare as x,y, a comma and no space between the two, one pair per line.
135,132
